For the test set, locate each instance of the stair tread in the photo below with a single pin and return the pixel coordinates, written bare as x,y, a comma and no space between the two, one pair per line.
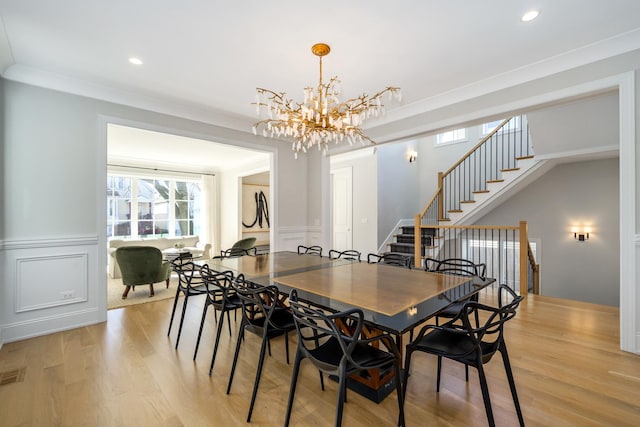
525,157
509,169
496,180
455,211
480,191
467,201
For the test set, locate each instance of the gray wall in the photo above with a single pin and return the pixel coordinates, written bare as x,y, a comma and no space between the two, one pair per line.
576,126
398,187
572,194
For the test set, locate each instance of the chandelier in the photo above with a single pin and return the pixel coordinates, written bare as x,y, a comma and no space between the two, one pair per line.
321,118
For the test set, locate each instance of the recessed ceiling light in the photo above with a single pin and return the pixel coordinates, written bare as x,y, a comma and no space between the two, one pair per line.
135,61
530,16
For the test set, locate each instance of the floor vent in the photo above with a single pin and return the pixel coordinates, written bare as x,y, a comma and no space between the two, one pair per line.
10,377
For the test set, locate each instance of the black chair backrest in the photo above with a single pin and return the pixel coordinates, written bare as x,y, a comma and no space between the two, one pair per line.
218,284
488,336
314,328
390,259
457,266
348,254
258,303
188,273
310,250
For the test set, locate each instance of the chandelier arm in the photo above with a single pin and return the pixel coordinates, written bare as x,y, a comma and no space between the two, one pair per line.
322,118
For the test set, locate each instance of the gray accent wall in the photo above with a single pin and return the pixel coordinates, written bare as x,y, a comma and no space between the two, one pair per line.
579,193
398,186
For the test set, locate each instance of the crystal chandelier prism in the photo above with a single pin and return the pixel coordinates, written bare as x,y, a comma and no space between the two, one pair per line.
321,118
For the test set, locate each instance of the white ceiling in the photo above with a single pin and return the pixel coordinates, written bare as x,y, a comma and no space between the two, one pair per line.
208,56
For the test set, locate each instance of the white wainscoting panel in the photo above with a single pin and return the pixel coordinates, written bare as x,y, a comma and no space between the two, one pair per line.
288,238
49,281
50,285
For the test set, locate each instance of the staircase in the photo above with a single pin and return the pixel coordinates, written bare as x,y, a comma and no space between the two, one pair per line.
470,188
405,241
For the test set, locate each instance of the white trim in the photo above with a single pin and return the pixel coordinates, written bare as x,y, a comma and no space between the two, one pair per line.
12,244
629,252
591,87
47,325
180,108
598,51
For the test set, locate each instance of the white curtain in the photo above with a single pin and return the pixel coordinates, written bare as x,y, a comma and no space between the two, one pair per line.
208,226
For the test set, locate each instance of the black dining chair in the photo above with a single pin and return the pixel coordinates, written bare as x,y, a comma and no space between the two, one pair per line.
349,254
471,346
310,250
222,297
262,315
457,267
335,352
190,283
398,260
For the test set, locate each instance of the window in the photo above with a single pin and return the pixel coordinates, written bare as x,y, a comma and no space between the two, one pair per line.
501,257
451,137
511,126
118,206
154,198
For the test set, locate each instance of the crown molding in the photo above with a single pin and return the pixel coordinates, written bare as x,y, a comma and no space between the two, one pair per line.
175,107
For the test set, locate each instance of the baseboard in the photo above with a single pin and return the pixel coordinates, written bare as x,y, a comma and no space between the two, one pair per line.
47,325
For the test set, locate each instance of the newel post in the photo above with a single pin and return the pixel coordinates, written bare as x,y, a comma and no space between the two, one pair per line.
524,270
417,242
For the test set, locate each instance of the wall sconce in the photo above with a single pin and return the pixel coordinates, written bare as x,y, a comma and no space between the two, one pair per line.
581,235
413,156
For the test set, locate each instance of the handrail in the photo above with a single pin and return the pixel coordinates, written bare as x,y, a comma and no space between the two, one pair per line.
478,145
429,203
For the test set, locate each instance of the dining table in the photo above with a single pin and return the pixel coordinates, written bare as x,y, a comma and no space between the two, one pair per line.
393,299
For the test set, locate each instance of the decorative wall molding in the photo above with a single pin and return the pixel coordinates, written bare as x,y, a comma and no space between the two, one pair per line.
66,276
12,244
51,285
45,325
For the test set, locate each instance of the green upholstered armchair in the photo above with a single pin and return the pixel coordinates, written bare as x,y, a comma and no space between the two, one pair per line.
142,265
242,247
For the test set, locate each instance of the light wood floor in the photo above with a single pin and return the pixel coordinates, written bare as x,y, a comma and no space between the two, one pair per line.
125,372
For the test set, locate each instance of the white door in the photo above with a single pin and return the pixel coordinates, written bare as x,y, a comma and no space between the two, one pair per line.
341,216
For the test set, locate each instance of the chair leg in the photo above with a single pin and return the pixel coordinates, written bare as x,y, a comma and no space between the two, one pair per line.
399,392
485,394
235,356
512,384
342,391
256,382
173,312
215,345
228,322
292,388
204,315
286,345
184,310
407,365
151,291
438,376
168,280
126,292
